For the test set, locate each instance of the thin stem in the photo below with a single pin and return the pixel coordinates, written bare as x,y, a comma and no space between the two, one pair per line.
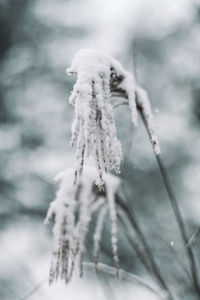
176,255
134,223
124,276
173,201
181,263
34,289
176,211
180,222
144,258
135,246
194,238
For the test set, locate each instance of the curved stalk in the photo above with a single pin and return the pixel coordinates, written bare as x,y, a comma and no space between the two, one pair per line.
124,275
154,267
173,201
176,211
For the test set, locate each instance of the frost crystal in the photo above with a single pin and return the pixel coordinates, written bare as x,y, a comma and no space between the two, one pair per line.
69,231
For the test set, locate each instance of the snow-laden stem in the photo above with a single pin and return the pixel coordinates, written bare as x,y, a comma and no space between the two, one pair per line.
133,221
171,196
176,211
74,208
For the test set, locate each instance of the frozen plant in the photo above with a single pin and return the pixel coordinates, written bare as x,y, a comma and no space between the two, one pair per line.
99,77
73,208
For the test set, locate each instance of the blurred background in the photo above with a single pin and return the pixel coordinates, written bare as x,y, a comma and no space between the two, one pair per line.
160,42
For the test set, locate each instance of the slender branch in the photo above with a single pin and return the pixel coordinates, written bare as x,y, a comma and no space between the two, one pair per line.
135,246
176,211
181,263
176,255
180,222
194,238
173,201
144,258
134,223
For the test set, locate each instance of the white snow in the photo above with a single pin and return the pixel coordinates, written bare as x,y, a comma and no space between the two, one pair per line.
70,235
99,77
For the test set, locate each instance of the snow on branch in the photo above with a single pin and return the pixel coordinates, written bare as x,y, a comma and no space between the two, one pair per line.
99,77
82,201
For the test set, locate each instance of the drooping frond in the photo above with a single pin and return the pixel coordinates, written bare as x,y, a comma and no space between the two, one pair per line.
100,77
94,126
63,208
70,232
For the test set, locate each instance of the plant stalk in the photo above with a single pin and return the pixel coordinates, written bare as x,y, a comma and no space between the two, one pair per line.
176,211
154,267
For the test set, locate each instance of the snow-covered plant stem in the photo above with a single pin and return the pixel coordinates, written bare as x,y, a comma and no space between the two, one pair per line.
175,207
98,78
73,208
171,195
